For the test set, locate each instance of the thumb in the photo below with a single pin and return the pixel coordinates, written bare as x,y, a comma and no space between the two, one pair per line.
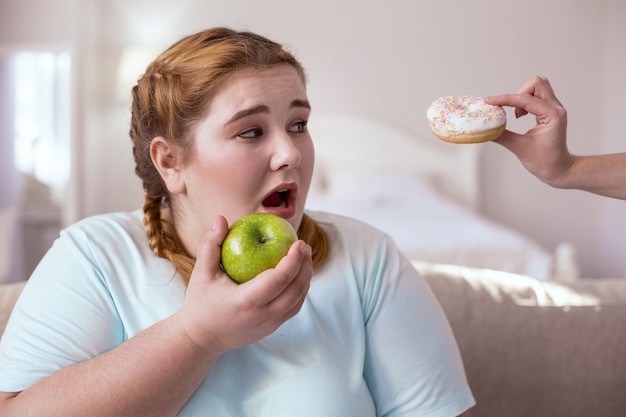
210,247
512,141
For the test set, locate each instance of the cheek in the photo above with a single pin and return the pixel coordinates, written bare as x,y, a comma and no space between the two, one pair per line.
224,187
234,174
307,164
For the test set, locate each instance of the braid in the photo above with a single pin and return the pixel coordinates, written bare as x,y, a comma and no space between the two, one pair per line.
148,107
313,234
163,243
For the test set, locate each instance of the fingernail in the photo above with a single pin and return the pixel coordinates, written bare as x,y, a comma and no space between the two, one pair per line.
306,249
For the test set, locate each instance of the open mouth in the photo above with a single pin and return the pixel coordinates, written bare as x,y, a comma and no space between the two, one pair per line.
278,199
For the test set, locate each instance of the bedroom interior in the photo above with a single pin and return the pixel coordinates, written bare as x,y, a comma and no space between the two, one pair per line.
385,67
532,278
391,63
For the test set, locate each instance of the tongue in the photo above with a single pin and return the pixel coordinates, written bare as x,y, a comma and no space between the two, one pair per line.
273,200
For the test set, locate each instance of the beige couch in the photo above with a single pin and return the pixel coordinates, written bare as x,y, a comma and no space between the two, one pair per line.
531,348
537,348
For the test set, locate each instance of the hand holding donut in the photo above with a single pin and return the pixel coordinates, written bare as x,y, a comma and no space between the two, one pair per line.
543,149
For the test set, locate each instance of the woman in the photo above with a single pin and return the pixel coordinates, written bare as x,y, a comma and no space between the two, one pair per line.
122,318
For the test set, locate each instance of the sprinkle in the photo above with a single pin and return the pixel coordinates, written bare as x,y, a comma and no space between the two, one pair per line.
464,114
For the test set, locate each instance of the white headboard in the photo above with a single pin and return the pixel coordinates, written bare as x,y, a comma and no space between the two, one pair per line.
357,142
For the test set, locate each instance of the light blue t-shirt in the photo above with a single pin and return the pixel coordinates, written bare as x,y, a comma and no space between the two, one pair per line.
370,339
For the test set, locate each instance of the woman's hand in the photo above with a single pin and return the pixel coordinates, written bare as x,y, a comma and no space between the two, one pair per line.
543,149
219,315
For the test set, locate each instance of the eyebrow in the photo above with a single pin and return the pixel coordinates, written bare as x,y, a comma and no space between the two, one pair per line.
301,103
264,109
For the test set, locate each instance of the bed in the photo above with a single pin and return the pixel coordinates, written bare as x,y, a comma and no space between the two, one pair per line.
422,192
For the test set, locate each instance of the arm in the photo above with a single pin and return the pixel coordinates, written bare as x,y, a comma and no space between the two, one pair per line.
115,383
155,372
412,362
599,174
543,149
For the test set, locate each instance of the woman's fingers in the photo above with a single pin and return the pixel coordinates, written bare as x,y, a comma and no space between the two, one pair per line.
536,97
224,315
291,275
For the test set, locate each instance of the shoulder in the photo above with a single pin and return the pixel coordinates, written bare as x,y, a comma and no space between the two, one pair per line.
110,245
356,239
337,225
129,223
119,230
107,258
361,251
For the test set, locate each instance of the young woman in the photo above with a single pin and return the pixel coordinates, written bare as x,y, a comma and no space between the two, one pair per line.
130,314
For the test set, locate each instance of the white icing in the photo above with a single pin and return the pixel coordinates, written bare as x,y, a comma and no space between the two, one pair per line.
454,115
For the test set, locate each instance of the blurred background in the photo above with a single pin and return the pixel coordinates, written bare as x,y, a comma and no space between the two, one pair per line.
66,68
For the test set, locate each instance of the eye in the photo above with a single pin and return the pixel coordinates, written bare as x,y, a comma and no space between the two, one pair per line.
299,127
250,133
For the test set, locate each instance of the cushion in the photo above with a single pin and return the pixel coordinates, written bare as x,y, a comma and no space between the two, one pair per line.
536,348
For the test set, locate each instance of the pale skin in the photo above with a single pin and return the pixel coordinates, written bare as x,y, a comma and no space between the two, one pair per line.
543,149
253,142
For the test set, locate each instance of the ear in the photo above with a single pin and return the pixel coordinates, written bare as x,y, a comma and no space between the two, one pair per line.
166,157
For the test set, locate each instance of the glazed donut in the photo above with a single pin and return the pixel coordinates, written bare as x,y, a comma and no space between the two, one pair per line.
465,119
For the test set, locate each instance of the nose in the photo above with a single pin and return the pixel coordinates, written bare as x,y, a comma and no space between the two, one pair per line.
285,153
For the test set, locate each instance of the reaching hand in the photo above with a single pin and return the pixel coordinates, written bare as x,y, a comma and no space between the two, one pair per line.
543,149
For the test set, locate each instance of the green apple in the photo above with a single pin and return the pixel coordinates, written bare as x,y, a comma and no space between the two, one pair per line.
256,242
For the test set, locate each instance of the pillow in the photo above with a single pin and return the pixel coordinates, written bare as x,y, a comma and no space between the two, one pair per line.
342,184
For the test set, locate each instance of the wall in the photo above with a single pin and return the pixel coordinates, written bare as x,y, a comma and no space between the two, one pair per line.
39,24
613,87
584,67
387,60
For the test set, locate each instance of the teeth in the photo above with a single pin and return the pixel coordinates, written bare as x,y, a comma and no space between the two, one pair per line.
283,203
